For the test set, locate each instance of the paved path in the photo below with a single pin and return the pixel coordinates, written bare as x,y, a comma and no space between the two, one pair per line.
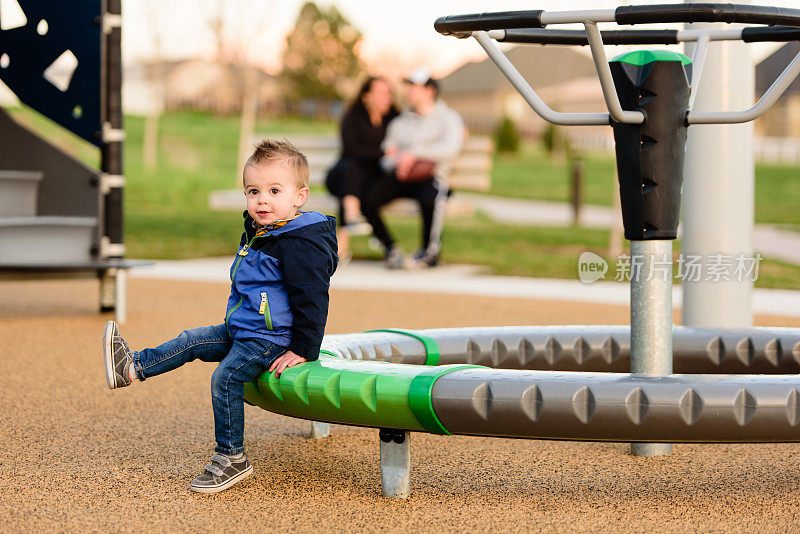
464,280
769,241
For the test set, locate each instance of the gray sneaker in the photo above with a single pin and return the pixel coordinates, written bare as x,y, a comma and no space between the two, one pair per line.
357,228
394,258
117,356
221,474
423,259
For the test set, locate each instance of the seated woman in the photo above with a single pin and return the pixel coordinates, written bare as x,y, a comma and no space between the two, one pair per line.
362,131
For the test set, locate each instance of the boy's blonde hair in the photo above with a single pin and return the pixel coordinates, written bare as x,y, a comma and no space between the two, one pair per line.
270,151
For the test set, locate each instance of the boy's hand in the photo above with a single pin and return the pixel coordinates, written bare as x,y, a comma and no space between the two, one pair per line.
287,359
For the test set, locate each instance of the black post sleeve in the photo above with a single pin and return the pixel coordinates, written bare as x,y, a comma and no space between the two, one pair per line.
650,155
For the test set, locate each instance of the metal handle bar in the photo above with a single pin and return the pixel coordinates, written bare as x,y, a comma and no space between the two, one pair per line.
530,96
729,13
764,103
641,37
625,15
498,23
606,80
702,37
578,37
754,35
459,25
550,115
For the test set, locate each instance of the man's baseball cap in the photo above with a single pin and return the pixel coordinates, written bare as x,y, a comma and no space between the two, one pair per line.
421,76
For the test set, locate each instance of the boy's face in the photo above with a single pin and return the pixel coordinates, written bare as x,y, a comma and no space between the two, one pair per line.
272,193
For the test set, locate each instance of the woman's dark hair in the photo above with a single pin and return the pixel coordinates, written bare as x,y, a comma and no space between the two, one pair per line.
358,101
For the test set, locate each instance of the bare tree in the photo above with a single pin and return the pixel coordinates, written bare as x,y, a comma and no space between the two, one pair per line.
238,30
155,76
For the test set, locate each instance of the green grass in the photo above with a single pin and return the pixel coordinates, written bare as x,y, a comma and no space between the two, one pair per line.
531,174
180,236
778,195
197,154
550,252
777,274
167,215
504,249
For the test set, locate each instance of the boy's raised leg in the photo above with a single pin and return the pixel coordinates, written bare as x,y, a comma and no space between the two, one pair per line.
205,343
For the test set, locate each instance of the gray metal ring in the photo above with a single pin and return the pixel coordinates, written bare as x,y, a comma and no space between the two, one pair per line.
581,348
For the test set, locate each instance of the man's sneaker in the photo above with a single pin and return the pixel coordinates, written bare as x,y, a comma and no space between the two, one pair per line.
357,228
221,474
394,258
117,357
423,259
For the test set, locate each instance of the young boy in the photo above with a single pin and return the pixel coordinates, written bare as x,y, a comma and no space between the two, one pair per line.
276,311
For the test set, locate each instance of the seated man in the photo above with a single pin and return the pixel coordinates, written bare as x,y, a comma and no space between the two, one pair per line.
418,145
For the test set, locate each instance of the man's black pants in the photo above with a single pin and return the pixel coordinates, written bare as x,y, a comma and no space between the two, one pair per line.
431,195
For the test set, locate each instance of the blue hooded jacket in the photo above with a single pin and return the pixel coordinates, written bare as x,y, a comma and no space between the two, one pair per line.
280,281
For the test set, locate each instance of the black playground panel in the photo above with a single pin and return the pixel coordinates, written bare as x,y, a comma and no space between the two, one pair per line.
80,42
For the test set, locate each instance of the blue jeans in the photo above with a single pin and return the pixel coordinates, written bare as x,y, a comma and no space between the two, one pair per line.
240,361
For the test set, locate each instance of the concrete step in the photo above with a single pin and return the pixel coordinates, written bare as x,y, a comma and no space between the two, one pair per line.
18,192
46,240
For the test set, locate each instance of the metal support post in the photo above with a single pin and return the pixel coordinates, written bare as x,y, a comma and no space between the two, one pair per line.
113,285
120,286
107,290
718,200
395,463
320,430
651,319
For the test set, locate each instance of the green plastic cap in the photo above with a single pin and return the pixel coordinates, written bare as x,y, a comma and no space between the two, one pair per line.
643,57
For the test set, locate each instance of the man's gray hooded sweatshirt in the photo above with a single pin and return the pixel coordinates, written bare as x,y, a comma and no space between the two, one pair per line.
438,135
280,281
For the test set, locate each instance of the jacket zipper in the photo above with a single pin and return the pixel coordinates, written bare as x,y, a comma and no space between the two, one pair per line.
242,253
264,310
228,317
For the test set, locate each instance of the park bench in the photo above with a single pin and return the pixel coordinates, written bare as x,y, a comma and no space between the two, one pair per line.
470,171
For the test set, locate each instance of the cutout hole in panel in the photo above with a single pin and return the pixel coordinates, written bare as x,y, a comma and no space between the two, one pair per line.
11,15
77,112
5,61
42,28
61,71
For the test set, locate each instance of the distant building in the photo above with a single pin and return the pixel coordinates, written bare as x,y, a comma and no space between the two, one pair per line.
194,84
783,120
563,77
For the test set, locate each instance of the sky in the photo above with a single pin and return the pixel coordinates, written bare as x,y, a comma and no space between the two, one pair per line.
397,31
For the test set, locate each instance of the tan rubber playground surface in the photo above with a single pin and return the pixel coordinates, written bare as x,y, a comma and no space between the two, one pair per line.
75,456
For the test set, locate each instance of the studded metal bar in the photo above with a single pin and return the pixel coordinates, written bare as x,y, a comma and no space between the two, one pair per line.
619,407
582,348
376,346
